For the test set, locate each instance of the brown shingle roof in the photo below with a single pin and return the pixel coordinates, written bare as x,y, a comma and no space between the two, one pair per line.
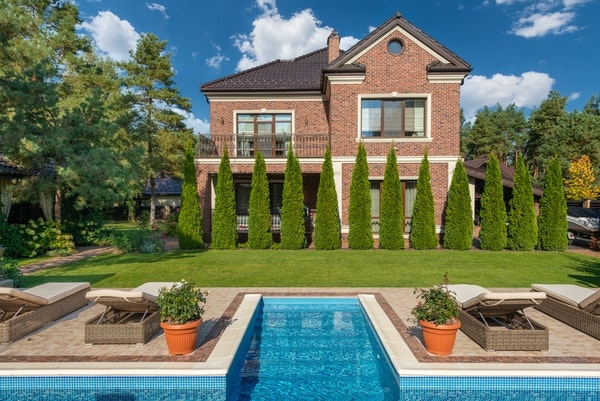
476,168
9,169
300,74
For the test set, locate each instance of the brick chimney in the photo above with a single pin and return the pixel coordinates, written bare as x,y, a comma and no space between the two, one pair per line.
333,46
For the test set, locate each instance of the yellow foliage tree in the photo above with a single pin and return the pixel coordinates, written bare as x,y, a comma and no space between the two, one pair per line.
581,183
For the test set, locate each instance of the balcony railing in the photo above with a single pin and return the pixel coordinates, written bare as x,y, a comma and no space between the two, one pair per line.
270,145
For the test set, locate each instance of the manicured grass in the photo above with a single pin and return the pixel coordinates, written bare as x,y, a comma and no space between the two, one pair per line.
342,268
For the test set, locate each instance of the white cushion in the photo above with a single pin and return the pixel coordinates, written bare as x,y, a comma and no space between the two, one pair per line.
571,294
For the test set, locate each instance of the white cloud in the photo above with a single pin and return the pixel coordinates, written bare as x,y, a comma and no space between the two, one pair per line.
198,125
113,36
275,37
538,24
527,90
215,61
158,7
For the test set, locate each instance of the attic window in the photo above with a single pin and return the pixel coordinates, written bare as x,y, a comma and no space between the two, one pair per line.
395,47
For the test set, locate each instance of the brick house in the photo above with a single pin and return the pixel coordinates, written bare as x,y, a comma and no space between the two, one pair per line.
396,87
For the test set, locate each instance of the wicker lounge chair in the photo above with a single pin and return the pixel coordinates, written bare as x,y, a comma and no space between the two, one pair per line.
24,311
497,321
130,317
576,306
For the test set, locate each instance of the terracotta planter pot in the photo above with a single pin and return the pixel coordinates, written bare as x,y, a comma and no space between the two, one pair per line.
439,339
181,338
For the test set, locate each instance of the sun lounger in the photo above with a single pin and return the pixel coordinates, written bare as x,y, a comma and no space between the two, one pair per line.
576,306
24,311
130,316
497,321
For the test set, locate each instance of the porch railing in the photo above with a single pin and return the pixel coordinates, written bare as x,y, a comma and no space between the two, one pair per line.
270,145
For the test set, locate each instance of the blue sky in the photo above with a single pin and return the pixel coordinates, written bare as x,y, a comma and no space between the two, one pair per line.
519,49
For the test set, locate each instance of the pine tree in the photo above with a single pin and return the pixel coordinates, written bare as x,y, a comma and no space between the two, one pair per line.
522,225
458,228
552,221
327,220
259,213
360,234
224,226
189,226
493,210
391,224
422,233
293,224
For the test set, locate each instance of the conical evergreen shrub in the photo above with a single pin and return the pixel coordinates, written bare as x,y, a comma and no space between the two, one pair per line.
391,219
458,228
360,234
189,225
552,221
327,220
522,228
492,235
422,234
224,225
259,213
293,224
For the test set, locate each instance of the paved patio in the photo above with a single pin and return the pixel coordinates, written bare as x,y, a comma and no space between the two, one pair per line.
61,345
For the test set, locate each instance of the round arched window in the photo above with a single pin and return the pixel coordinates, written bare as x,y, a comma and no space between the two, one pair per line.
395,46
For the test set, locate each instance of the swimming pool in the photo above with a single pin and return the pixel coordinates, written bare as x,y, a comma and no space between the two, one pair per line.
198,385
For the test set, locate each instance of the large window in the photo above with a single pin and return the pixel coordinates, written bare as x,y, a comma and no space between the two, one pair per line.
409,192
392,118
269,133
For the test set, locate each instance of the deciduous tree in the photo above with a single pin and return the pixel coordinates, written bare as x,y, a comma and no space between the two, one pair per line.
581,182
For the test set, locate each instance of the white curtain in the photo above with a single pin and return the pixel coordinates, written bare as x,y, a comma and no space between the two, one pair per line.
46,205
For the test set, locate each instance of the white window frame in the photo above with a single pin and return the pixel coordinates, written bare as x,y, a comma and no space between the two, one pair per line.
395,96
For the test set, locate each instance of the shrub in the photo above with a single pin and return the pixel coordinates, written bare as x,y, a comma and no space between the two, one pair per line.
9,269
259,213
189,226
293,223
552,221
522,229
10,238
182,303
422,233
458,227
327,220
42,237
391,225
360,234
224,223
492,235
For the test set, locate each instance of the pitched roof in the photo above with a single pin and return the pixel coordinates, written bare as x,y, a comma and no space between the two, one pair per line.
302,73
9,169
476,169
166,185
305,73
454,63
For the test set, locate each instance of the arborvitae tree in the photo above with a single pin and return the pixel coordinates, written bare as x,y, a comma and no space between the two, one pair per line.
293,228
391,222
360,234
492,235
189,226
458,228
422,233
259,213
522,225
552,221
224,226
327,220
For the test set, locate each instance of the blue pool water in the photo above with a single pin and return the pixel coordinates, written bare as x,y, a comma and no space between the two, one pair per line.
315,349
268,373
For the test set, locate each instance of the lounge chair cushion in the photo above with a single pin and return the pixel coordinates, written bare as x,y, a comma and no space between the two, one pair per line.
571,294
42,294
468,296
137,299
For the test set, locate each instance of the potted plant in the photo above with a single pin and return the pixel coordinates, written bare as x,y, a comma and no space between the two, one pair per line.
437,314
181,310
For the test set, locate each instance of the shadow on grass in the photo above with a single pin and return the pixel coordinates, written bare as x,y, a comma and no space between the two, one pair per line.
588,271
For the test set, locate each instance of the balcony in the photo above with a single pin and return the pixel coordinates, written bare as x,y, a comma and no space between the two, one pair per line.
270,145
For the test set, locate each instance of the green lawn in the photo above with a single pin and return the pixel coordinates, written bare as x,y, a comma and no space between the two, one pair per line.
342,268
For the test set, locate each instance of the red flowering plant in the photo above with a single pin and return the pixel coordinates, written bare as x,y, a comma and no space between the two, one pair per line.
436,305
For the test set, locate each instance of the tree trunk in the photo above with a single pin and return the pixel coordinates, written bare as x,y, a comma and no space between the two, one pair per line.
152,201
58,205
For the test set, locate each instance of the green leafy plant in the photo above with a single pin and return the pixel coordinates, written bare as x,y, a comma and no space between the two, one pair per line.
437,304
182,303
9,269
